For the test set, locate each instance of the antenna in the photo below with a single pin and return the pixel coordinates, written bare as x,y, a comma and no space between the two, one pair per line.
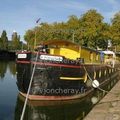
37,21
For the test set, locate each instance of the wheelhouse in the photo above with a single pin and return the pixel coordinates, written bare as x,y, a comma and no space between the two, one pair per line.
70,50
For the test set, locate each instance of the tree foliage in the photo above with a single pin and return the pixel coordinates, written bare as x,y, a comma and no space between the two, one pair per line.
16,41
115,29
29,38
91,25
88,30
4,41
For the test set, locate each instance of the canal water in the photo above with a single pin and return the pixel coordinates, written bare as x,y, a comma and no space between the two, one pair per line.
8,90
11,104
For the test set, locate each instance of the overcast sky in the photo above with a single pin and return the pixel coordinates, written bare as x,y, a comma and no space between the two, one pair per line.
20,15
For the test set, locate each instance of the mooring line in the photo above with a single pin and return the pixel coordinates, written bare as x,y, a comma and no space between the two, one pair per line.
98,87
28,92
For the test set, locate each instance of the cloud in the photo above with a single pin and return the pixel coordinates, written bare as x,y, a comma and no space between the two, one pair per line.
114,4
115,7
77,6
109,15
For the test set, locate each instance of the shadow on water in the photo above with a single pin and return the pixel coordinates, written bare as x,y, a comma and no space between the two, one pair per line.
70,110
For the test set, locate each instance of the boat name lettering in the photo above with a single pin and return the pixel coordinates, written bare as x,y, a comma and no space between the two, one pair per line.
52,58
22,55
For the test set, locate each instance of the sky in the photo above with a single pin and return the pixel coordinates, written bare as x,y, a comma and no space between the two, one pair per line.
21,15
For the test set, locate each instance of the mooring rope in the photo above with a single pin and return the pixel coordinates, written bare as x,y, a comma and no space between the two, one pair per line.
95,83
28,92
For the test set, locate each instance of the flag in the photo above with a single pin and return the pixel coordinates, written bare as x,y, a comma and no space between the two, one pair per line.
38,20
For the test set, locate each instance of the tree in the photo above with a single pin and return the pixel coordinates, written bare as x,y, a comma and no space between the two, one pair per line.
91,26
115,29
4,40
104,36
89,30
1,44
73,22
16,41
73,25
30,38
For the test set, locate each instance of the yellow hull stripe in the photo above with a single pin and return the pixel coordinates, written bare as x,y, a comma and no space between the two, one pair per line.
71,78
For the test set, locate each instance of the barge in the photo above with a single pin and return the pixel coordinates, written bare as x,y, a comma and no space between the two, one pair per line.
63,70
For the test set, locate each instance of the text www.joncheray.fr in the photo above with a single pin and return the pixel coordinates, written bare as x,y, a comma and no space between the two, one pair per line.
61,91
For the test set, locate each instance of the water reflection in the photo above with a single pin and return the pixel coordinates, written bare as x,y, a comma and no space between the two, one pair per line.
12,67
68,110
3,69
75,110
4,66
8,90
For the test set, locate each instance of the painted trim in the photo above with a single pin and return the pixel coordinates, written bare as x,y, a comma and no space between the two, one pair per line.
24,62
49,64
55,98
56,65
71,78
